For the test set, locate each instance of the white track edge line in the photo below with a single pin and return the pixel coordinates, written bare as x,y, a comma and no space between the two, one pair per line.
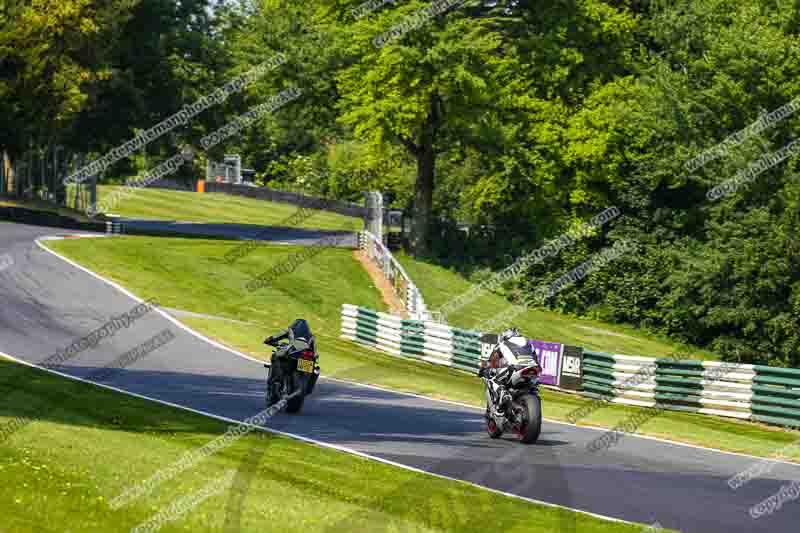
261,362
317,443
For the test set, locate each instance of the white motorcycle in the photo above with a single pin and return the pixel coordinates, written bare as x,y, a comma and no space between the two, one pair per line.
511,377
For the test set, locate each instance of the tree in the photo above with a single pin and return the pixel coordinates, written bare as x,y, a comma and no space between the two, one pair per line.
52,52
259,29
423,91
720,273
166,55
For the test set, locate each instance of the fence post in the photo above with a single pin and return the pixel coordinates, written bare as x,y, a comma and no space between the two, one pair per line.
374,218
413,300
93,190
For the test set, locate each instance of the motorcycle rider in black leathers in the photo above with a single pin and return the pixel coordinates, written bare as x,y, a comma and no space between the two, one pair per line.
298,331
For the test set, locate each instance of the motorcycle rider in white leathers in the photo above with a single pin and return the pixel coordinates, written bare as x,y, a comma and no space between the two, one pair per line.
513,349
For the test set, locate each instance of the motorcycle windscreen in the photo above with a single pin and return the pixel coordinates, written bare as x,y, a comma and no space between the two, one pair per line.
300,330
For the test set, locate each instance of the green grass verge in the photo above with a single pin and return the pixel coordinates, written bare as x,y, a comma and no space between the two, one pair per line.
87,445
440,285
190,275
160,204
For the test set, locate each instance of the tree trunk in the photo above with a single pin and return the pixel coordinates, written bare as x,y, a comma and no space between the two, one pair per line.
7,160
425,153
423,200
5,171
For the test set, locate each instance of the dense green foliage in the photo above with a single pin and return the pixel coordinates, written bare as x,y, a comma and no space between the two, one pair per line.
518,118
89,75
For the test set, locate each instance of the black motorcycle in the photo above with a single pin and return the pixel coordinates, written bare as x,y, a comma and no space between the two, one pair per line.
293,370
511,377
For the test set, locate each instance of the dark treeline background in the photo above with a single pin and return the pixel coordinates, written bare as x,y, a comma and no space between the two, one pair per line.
520,119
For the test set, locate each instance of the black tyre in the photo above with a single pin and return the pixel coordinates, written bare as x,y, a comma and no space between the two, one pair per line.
296,403
311,382
271,398
273,391
491,426
531,425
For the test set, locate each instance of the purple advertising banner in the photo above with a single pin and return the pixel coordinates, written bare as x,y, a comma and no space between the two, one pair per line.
549,354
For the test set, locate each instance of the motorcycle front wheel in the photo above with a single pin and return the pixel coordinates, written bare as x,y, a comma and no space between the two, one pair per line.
530,410
491,426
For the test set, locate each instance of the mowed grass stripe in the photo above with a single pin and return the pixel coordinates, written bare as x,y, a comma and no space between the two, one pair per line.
161,204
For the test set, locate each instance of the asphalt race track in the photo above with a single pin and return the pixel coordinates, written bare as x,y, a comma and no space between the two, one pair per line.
46,304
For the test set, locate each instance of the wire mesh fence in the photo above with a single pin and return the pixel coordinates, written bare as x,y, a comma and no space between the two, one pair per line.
38,175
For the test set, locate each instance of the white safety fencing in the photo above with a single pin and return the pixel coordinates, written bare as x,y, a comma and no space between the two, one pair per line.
396,275
417,339
708,387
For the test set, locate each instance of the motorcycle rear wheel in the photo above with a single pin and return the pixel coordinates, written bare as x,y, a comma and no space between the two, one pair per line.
299,384
531,426
273,391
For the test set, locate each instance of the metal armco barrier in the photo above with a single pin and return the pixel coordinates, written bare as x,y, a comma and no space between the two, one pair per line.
707,387
747,392
622,379
44,218
722,389
34,217
415,339
444,345
113,228
776,396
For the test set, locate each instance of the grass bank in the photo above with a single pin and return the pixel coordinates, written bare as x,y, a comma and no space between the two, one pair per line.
161,204
440,285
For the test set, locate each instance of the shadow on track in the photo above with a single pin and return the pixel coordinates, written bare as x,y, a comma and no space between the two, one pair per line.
505,460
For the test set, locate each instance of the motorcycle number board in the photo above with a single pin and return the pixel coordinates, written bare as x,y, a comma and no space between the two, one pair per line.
305,365
549,357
